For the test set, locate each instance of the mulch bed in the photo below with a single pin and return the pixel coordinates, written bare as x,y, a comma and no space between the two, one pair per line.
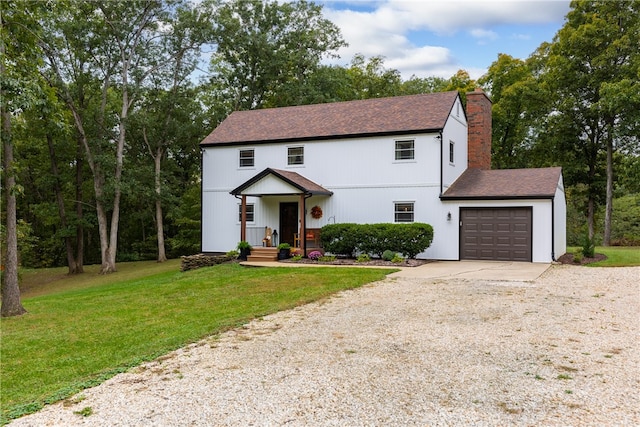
568,259
564,259
373,262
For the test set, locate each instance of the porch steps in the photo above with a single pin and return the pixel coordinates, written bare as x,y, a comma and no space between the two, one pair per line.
263,254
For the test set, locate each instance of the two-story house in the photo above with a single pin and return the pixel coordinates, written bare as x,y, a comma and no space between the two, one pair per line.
418,158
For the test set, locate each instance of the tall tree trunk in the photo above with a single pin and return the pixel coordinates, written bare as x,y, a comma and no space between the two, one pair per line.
590,217
71,261
79,267
11,304
608,212
162,256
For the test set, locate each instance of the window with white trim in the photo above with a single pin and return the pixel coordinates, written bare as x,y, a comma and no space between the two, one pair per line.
250,209
405,150
295,156
247,158
403,212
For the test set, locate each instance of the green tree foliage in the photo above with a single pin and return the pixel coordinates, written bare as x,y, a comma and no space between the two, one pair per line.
20,90
101,56
517,99
591,71
266,50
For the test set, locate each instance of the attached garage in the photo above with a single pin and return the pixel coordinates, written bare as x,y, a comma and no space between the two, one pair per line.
508,214
502,234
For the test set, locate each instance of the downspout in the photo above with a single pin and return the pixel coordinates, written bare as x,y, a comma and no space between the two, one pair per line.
553,229
441,162
201,199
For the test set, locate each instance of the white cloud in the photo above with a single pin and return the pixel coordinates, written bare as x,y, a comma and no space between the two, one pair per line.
482,34
386,28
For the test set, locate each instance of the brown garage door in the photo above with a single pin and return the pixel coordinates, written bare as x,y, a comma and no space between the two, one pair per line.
502,234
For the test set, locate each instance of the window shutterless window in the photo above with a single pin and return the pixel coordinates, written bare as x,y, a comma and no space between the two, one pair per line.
405,150
247,158
403,212
250,212
295,155
451,152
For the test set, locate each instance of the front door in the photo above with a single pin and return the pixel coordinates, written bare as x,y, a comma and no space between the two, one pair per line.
288,222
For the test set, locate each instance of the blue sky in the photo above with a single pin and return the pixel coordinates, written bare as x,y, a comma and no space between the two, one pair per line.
439,37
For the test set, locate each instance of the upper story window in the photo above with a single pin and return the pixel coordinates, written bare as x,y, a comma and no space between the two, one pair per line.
405,150
403,212
295,156
249,211
452,147
247,158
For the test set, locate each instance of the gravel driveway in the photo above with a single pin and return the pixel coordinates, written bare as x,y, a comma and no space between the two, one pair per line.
560,350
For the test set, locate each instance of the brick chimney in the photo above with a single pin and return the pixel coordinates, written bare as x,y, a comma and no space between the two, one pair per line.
479,130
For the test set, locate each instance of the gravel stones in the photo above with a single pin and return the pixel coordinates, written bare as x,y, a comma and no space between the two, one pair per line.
561,350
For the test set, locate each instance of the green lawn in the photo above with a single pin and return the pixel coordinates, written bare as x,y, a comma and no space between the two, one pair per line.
79,332
617,256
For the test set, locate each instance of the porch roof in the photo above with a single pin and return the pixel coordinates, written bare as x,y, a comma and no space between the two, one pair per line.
279,182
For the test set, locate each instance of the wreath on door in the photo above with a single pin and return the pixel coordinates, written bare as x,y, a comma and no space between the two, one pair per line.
316,212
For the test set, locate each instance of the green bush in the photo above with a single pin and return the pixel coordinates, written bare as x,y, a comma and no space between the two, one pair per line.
363,258
577,257
408,239
588,247
397,259
388,255
339,239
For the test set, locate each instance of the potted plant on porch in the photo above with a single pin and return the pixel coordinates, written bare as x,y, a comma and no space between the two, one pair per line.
245,250
284,251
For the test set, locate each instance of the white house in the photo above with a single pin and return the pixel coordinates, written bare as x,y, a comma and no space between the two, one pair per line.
418,158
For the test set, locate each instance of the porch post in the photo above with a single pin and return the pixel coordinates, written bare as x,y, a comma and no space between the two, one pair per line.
303,237
243,219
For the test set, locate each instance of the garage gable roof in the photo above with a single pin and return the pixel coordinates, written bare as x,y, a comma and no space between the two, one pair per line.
532,183
381,116
294,184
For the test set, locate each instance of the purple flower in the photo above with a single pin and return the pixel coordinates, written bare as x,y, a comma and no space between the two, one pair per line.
315,255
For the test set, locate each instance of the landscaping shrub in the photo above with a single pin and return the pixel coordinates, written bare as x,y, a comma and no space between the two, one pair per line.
408,239
339,239
588,247
388,255
363,258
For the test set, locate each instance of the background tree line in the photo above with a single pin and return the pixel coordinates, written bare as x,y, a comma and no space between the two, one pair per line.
104,104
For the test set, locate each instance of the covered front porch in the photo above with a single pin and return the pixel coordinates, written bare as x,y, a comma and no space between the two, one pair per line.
283,199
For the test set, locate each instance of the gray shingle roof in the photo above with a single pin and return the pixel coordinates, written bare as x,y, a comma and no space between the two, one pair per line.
535,183
395,115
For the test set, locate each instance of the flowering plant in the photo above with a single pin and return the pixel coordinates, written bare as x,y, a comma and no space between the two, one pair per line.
315,255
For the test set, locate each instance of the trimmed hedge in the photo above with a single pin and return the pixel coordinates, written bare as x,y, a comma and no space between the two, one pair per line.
409,239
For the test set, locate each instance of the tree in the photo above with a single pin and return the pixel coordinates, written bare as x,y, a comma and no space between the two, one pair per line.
101,54
591,71
463,83
266,49
516,103
19,91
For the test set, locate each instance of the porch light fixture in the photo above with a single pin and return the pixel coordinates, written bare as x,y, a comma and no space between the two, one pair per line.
448,216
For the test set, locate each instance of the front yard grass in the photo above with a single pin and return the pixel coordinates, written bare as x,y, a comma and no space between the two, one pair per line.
82,334
617,256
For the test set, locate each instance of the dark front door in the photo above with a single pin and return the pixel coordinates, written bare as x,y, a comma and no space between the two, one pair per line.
288,222
502,234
